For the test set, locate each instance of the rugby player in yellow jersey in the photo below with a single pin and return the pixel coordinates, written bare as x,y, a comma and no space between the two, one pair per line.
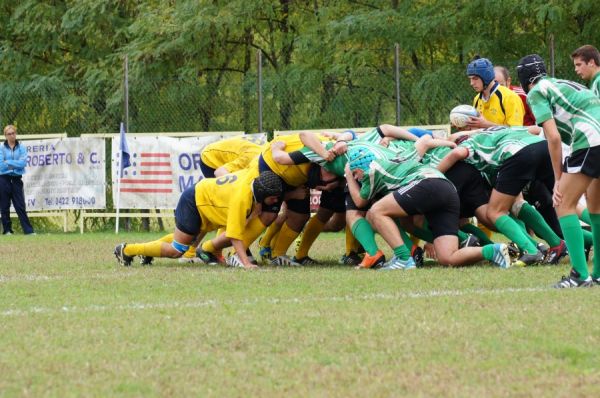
297,174
229,155
233,201
497,105
296,177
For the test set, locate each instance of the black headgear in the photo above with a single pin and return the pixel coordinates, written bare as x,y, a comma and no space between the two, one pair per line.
267,184
530,69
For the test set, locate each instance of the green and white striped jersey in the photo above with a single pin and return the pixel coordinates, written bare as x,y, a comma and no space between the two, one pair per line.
490,148
385,176
404,149
337,165
434,156
575,109
595,84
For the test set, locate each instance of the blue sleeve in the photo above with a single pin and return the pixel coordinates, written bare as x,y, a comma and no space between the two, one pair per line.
3,166
21,160
420,132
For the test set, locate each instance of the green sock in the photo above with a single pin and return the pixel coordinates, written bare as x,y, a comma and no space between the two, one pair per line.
488,252
363,232
523,227
574,240
462,235
474,230
588,238
532,218
514,232
402,252
423,234
595,223
405,238
585,217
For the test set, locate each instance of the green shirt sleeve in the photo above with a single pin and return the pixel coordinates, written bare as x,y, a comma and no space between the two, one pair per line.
540,107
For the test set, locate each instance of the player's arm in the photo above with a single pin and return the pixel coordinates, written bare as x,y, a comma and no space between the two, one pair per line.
388,130
279,154
240,250
479,122
354,189
457,154
313,142
21,161
426,142
555,149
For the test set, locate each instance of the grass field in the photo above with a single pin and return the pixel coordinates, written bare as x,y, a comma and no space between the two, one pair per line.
73,323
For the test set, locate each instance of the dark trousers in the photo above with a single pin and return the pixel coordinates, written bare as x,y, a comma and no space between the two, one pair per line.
11,189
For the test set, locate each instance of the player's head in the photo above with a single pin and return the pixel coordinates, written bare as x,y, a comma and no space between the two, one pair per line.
586,60
321,179
359,159
530,69
267,187
481,73
502,76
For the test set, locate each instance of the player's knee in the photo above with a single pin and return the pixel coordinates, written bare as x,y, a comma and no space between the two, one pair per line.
176,249
268,218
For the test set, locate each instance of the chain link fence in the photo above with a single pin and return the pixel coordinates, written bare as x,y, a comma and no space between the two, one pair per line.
292,99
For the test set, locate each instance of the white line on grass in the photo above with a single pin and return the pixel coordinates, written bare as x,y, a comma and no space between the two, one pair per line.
45,278
292,300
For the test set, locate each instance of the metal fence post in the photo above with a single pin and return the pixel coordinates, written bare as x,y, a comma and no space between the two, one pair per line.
552,60
397,66
126,93
259,90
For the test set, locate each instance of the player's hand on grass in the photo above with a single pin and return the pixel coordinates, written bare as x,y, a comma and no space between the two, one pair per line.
430,250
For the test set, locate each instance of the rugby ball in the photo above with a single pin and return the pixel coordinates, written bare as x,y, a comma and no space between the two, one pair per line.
460,114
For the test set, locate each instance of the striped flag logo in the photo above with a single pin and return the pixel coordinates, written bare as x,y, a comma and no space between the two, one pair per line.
150,172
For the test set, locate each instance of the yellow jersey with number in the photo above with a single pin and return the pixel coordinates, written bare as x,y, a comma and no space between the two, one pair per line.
225,201
232,153
504,107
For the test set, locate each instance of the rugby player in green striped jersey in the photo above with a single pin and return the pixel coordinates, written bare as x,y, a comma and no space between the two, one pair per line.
569,112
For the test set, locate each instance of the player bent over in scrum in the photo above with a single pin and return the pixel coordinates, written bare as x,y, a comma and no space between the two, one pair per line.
411,188
234,201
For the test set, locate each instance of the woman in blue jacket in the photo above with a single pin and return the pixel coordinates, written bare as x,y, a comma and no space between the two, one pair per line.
13,158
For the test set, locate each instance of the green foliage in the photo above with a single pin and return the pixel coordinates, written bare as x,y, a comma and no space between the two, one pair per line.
326,63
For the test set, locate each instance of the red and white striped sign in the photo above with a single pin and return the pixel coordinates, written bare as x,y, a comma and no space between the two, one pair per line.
150,172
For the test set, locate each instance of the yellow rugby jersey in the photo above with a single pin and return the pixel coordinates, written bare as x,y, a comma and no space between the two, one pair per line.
504,107
226,201
232,153
294,175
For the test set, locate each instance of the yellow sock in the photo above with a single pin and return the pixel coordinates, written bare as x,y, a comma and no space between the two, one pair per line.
190,253
351,242
208,246
253,230
485,230
273,229
414,239
311,231
284,240
151,249
167,238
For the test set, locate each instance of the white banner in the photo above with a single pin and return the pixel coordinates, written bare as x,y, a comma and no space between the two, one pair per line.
161,169
65,173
